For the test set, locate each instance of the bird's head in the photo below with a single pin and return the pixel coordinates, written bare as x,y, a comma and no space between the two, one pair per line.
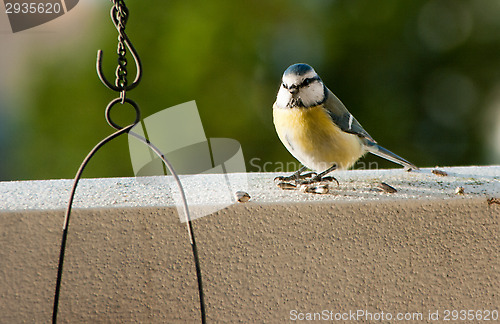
300,87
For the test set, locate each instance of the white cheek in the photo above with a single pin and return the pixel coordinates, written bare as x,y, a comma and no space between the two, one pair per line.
283,97
312,94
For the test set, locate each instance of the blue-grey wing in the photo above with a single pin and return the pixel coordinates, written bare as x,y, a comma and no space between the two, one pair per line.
346,122
342,117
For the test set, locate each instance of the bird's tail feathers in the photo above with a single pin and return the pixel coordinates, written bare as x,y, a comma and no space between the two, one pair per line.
376,149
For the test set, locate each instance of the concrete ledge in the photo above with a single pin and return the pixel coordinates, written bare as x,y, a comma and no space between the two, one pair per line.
421,249
356,185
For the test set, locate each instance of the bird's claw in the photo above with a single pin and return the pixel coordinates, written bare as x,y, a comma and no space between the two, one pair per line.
316,179
330,179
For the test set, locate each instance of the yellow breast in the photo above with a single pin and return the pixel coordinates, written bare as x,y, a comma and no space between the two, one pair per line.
311,137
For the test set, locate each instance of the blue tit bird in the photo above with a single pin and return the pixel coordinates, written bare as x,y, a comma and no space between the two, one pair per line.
316,127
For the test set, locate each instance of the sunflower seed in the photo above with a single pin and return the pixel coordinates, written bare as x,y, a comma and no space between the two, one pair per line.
320,189
286,185
492,201
242,196
386,188
439,173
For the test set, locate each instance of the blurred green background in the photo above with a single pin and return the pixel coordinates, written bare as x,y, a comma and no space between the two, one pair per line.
422,77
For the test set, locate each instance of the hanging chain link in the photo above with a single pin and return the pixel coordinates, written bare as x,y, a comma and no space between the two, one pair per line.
120,17
119,14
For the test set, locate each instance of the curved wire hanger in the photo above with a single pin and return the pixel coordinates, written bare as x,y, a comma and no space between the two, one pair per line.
119,15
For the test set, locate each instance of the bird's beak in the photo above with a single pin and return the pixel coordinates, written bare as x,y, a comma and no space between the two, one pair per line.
293,90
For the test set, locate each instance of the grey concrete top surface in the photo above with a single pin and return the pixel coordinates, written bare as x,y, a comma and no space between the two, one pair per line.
355,185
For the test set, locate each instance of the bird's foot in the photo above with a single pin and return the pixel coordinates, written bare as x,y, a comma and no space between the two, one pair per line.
309,182
296,177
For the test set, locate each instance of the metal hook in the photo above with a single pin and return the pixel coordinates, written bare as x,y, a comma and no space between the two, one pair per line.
132,51
138,66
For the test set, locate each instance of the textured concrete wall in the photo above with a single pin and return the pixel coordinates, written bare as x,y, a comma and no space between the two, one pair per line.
261,262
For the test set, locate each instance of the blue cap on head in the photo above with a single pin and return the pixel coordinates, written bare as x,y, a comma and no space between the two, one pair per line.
298,69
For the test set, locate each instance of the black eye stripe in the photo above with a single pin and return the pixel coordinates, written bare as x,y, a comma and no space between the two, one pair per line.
308,81
304,83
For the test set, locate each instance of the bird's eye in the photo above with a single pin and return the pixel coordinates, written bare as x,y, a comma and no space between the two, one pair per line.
284,86
306,82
